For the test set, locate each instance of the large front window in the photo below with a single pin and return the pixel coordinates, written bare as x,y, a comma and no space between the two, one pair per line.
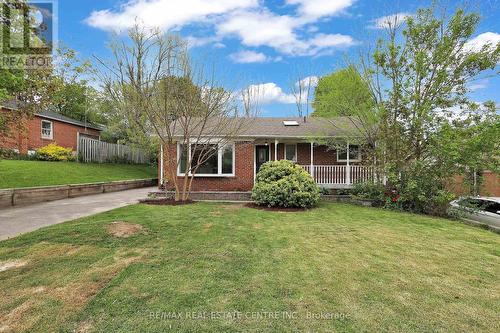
207,159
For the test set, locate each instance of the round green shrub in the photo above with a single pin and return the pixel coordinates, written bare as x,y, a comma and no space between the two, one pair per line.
285,184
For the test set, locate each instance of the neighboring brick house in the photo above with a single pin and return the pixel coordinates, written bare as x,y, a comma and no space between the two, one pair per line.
489,186
234,166
43,128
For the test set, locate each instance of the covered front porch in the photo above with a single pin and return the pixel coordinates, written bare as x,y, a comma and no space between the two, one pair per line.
330,168
339,176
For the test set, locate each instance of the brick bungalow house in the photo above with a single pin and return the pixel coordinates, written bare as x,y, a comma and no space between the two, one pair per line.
43,128
234,167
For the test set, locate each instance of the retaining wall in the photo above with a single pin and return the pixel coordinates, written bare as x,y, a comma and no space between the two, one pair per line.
31,195
247,196
210,195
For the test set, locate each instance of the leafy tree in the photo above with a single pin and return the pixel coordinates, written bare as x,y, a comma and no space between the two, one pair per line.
426,72
73,97
345,93
154,83
470,145
418,78
30,86
342,93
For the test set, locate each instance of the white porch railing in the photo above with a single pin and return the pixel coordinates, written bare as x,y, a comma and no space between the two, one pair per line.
340,176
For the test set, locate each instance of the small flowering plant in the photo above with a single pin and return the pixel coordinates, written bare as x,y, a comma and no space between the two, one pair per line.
392,199
53,152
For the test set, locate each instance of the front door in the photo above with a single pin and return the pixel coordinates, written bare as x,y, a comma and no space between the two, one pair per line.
261,156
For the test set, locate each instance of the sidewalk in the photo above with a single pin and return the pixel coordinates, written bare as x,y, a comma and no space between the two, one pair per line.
17,220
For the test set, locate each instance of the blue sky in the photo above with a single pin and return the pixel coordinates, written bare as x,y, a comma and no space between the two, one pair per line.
267,43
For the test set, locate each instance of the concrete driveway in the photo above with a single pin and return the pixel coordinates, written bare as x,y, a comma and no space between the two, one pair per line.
17,220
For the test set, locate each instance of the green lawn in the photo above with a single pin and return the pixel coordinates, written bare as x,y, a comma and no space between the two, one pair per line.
15,173
362,269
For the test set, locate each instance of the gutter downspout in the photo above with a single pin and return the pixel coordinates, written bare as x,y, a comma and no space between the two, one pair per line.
161,165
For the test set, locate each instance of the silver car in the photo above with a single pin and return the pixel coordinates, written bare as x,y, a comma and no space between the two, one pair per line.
484,210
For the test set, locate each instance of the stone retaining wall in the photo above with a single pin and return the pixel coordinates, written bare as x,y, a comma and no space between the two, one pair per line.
347,199
31,195
247,196
209,195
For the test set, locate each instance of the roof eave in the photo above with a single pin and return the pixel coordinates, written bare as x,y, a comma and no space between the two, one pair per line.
270,136
67,121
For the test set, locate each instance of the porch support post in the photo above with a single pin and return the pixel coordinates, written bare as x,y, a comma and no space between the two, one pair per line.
275,149
312,159
348,168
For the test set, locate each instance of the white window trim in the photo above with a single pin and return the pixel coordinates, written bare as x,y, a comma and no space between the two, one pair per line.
350,160
51,136
219,161
291,144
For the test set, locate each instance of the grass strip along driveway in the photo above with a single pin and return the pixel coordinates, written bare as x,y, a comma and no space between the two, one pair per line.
211,267
18,173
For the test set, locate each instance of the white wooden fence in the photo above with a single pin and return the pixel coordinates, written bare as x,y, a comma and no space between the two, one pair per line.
91,150
340,175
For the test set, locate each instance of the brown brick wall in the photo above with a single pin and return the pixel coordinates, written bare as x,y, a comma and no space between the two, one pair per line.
322,156
16,137
30,136
281,151
64,134
490,185
242,181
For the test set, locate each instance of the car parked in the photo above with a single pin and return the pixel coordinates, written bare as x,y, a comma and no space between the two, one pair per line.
484,210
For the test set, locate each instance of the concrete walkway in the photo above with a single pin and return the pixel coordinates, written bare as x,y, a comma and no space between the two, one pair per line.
17,220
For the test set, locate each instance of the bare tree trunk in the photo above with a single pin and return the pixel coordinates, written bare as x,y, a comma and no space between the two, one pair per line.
153,81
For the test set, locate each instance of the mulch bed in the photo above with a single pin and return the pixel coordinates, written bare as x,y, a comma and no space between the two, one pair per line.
166,202
275,209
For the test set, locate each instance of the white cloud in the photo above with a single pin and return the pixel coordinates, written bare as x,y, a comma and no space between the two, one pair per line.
202,41
394,20
250,21
219,45
320,8
266,93
310,80
322,42
478,85
305,87
476,43
462,112
257,28
264,28
164,14
246,57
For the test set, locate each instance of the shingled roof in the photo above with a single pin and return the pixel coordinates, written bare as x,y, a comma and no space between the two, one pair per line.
59,117
48,114
264,127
